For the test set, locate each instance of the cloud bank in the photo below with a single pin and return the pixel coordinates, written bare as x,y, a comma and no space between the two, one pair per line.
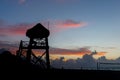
86,62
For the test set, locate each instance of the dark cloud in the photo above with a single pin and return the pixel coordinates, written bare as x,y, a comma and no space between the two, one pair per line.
3,35
94,53
2,50
55,51
7,43
80,51
13,47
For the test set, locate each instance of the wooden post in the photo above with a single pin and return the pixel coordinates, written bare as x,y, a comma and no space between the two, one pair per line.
29,52
47,54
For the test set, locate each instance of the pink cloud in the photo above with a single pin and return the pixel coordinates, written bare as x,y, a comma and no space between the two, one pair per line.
22,1
60,25
60,1
54,27
70,24
18,29
64,1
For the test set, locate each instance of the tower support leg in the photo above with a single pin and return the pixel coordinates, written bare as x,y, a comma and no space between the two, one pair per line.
47,54
29,51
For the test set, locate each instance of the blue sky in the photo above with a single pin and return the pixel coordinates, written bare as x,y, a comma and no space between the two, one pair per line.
101,18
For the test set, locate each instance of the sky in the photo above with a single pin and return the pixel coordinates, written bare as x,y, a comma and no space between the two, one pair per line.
77,27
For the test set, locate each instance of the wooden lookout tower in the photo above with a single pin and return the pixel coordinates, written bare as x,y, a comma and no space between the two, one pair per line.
38,40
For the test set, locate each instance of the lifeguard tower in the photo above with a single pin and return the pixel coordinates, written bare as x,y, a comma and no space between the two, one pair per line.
38,36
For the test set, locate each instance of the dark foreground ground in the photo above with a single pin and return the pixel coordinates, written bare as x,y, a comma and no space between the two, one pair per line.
37,74
11,67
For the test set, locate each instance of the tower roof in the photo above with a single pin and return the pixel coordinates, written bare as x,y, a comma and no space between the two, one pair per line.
37,31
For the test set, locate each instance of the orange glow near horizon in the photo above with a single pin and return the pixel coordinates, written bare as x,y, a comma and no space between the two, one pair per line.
67,55
101,53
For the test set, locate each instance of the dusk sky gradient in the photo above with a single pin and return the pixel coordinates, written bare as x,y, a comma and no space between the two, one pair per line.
74,24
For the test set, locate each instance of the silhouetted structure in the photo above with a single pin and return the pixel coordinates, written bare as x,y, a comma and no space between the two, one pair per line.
38,31
38,40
